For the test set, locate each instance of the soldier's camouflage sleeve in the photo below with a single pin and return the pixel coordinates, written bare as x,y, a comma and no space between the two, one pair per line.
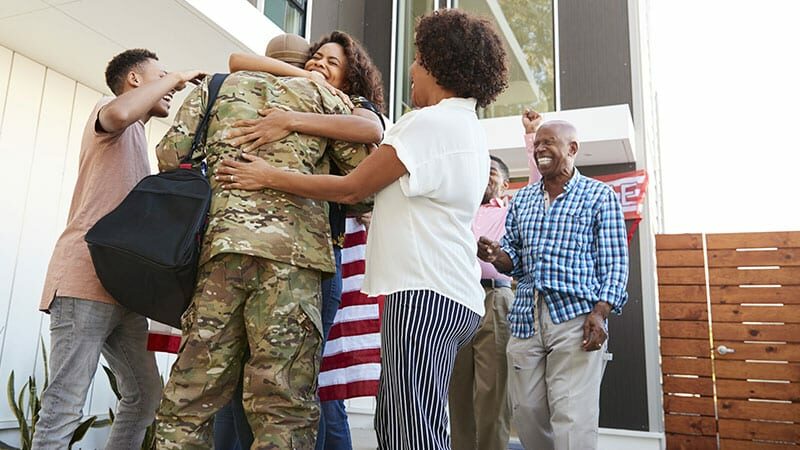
178,140
345,155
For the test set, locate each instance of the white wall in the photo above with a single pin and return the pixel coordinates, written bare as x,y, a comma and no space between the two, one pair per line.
42,115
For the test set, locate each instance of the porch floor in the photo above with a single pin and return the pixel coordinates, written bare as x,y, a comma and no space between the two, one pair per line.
364,439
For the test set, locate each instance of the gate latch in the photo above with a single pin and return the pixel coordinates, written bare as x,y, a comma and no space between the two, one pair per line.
722,350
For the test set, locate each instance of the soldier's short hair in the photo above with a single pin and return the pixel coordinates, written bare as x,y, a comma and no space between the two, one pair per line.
120,65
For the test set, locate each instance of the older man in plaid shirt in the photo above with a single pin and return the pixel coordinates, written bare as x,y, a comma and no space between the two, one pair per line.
566,245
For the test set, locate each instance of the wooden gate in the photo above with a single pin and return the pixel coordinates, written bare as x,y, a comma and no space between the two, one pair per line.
730,340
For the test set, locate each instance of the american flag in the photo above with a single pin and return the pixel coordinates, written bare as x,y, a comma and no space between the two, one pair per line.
163,338
351,365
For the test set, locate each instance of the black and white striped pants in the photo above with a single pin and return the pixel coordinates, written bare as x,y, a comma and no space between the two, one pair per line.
421,332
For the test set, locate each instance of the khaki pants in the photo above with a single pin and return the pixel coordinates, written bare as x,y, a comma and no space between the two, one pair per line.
271,307
554,386
480,416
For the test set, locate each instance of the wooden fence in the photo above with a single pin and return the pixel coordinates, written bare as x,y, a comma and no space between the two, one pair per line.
730,340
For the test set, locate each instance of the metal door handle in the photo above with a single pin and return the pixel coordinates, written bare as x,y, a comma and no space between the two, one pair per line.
722,350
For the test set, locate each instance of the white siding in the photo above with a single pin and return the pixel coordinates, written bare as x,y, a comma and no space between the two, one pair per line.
42,116
34,192
17,143
5,72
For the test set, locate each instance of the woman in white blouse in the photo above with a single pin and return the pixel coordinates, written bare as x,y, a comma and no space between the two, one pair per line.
429,175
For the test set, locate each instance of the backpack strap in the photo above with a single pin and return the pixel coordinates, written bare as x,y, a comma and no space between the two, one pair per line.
202,128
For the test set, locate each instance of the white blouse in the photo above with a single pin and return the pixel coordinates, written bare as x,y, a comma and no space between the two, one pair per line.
421,236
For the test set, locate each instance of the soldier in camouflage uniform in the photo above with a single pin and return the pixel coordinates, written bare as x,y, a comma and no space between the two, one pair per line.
263,257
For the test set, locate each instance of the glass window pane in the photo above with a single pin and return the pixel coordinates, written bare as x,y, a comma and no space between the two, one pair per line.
275,10
408,14
295,21
289,15
526,27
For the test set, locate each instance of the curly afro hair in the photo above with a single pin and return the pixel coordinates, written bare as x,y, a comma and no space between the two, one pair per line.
464,53
363,78
120,65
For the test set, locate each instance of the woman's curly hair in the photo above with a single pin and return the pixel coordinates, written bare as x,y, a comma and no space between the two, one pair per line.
464,53
363,78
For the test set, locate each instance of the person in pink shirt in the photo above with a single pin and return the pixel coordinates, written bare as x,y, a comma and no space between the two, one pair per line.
479,411
531,121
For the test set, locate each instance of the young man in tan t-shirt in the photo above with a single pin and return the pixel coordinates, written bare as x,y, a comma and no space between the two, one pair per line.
85,321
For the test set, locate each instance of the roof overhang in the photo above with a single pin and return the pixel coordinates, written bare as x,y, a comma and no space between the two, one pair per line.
606,136
78,37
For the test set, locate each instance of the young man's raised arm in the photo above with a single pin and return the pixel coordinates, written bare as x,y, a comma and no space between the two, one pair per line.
135,104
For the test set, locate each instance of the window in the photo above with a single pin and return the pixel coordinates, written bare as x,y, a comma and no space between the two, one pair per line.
409,11
526,27
290,15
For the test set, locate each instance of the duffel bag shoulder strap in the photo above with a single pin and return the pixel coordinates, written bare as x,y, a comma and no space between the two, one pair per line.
202,128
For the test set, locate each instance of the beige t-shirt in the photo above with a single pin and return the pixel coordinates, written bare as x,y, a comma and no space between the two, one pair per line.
110,165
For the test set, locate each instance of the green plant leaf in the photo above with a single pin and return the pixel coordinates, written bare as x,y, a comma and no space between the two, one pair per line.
111,415
33,397
21,403
149,442
34,420
31,409
16,408
10,392
101,423
112,380
16,405
46,368
80,432
25,436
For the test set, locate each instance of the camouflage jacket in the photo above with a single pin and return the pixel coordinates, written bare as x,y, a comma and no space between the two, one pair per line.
268,224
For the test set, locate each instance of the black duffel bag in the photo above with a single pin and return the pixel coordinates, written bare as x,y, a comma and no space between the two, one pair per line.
146,250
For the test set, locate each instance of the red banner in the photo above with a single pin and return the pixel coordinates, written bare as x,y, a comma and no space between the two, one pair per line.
630,188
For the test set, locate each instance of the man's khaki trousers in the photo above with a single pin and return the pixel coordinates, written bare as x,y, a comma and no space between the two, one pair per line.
480,416
554,385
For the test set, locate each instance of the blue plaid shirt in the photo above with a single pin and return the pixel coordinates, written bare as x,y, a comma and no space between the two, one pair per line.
575,253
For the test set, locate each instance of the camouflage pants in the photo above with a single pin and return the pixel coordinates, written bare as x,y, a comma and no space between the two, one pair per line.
273,307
